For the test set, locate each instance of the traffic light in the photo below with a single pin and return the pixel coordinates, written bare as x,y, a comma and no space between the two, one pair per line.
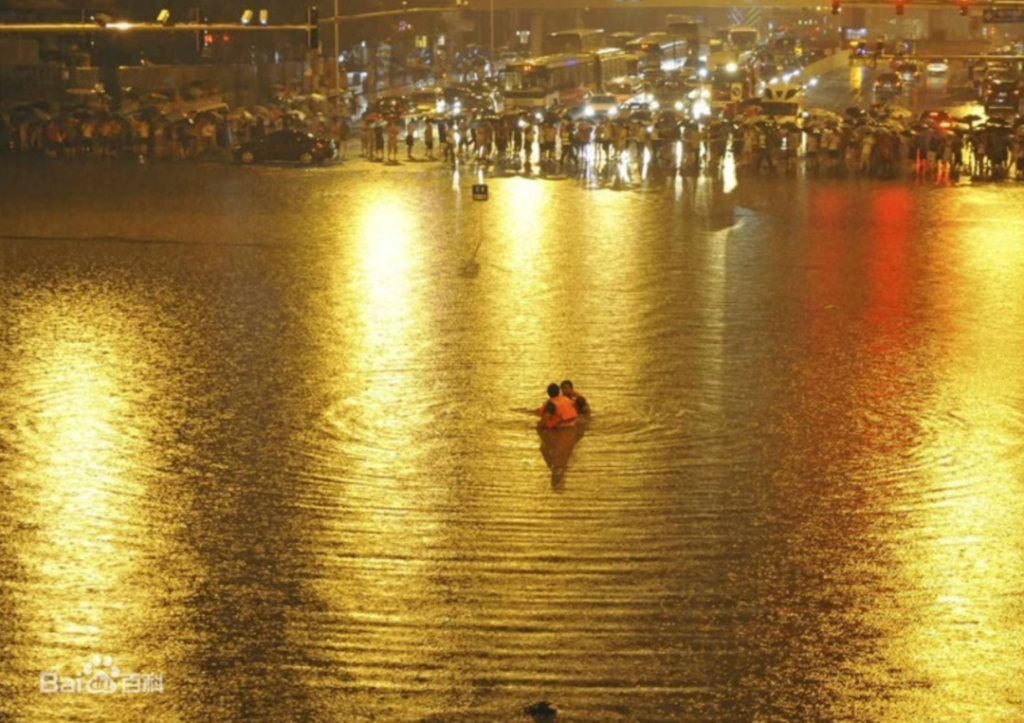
900,6
964,7
313,33
836,7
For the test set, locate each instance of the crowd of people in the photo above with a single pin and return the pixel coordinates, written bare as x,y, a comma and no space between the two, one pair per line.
150,132
880,143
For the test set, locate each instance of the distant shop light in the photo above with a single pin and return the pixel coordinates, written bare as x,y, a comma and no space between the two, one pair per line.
246,17
164,17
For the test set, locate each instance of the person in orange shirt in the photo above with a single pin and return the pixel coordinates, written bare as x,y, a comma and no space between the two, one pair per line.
558,411
580,402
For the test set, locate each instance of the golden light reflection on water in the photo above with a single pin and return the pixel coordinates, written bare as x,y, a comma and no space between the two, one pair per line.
76,474
383,412
964,549
384,275
389,549
857,73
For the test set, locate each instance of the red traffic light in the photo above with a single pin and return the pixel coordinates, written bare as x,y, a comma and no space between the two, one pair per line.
836,7
965,6
900,6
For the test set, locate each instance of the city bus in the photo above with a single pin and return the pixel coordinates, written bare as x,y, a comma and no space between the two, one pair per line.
563,79
574,41
612,63
659,51
687,28
536,84
742,37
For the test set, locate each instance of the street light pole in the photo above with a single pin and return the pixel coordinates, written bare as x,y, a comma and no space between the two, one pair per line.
337,67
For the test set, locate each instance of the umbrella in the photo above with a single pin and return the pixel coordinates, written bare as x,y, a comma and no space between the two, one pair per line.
898,111
855,112
969,119
297,114
241,114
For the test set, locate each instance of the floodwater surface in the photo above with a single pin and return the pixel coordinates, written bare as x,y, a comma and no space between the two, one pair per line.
267,441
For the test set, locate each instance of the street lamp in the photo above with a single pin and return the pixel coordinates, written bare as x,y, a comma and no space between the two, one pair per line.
246,16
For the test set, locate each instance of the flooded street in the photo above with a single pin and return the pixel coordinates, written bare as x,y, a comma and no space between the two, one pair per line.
268,434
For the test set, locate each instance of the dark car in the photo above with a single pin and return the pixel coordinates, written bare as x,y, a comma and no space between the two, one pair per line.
938,118
287,146
908,70
394,105
1002,94
888,83
470,104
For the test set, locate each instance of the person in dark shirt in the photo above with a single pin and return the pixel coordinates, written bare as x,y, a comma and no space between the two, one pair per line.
582,406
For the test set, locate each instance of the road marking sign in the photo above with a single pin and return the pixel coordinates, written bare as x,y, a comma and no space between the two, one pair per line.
479,191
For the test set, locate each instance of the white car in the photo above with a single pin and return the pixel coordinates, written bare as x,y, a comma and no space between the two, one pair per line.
936,67
604,104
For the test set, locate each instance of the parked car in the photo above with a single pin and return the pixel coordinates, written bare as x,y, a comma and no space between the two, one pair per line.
937,66
304,148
